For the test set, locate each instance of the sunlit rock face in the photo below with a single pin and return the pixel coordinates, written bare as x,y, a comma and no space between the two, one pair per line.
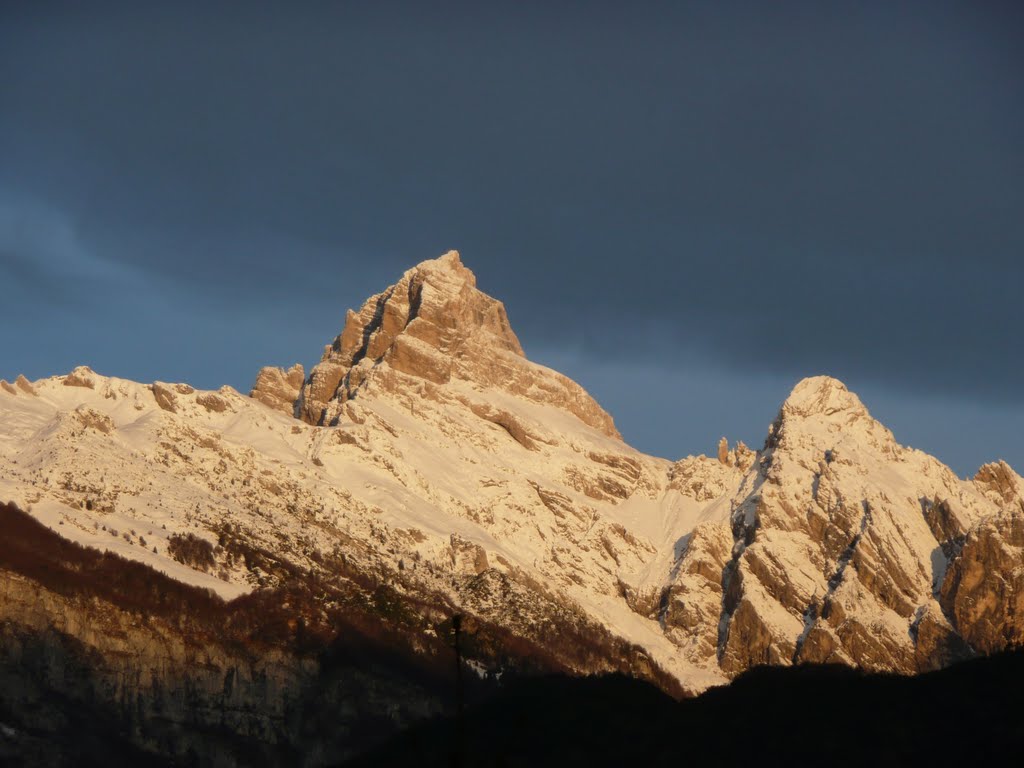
279,388
844,541
435,326
983,592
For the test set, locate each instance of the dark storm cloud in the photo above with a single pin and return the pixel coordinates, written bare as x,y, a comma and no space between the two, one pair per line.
770,189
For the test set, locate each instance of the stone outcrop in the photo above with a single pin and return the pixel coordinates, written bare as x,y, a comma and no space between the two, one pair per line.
999,482
435,326
279,388
702,478
92,419
212,402
983,591
21,385
82,376
467,557
692,606
740,457
165,397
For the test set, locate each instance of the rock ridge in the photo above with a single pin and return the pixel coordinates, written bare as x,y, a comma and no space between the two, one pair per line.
433,327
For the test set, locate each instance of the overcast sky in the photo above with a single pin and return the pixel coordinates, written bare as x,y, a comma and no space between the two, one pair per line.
687,207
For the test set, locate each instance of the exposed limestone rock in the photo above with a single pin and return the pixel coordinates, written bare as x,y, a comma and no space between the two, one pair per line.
278,388
821,396
833,543
212,402
937,643
756,637
467,557
24,385
644,601
723,452
983,590
82,376
434,325
820,645
165,396
515,428
319,389
701,478
601,483
742,457
93,419
999,482
779,561
691,607
947,525
8,388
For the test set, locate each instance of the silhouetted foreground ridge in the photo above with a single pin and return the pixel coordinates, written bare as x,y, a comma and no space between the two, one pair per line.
967,714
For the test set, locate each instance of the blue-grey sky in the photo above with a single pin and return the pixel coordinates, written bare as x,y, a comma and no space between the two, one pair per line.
687,207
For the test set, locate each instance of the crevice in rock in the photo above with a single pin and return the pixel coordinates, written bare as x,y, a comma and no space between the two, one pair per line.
415,299
680,548
810,618
822,609
663,603
944,525
372,326
744,529
844,560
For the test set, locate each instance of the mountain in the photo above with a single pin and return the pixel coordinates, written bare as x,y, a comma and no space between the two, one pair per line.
426,469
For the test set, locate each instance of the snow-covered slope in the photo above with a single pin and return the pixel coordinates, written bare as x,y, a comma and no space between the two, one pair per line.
425,445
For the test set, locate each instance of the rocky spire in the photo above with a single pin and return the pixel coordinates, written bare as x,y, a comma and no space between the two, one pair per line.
821,396
24,385
723,451
999,482
434,325
420,326
279,388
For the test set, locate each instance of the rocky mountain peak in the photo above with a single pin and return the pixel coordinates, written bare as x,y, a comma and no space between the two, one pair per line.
446,266
431,328
999,482
436,302
820,416
433,316
821,396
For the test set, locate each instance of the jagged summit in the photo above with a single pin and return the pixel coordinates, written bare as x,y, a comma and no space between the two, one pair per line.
420,326
999,482
821,395
822,416
436,302
432,328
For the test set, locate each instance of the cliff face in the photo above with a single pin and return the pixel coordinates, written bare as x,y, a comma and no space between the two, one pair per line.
435,326
426,469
